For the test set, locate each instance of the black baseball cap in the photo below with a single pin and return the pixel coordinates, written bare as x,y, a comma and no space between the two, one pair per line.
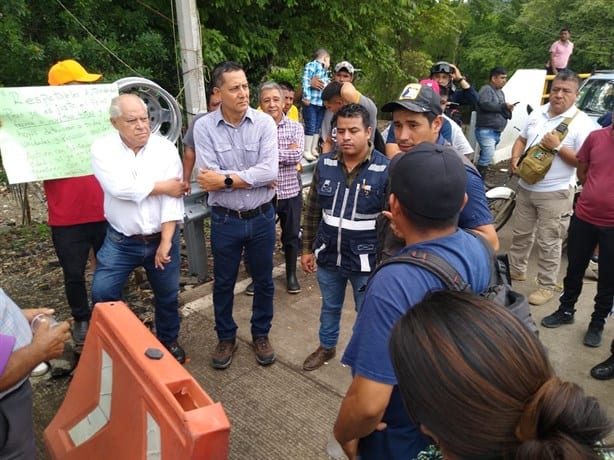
416,98
430,181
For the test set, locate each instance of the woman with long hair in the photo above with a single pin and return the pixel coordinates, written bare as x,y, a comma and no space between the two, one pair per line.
479,383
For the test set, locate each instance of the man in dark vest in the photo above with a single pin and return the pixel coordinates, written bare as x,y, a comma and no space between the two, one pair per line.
347,194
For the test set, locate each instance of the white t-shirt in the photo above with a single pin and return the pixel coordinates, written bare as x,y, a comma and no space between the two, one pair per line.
459,141
561,175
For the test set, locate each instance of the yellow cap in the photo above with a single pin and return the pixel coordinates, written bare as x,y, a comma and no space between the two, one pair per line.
69,71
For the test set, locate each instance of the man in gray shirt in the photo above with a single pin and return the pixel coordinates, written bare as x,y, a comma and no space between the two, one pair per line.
237,157
492,115
336,95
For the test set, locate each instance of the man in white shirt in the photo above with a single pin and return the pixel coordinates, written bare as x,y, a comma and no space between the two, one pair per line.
141,176
543,209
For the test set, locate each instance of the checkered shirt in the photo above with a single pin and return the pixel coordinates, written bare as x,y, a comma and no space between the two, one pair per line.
289,132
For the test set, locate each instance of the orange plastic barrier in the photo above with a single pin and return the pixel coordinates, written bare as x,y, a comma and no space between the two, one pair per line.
122,404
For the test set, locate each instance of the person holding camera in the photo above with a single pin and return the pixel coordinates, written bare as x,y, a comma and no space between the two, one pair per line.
449,76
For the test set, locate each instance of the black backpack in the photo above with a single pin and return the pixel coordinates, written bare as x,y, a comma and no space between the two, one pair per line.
499,290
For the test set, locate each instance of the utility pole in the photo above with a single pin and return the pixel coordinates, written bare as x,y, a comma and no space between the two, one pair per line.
188,24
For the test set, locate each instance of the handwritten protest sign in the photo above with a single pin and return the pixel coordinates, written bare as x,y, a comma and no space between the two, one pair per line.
47,131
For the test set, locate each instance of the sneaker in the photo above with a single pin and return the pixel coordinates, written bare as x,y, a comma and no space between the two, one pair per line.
518,276
318,358
39,370
222,355
592,338
558,318
175,349
265,354
249,290
541,296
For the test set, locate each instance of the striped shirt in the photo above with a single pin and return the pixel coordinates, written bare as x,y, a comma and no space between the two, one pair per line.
14,324
289,132
248,150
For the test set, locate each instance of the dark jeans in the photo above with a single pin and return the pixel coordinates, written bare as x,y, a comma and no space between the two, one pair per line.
72,245
229,236
583,237
16,425
289,212
119,256
312,118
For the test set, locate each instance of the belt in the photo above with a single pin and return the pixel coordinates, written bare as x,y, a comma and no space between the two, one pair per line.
152,237
249,214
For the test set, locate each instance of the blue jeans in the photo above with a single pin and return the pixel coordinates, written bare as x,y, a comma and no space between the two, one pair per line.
332,286
119,256
229,236
312,118
488,139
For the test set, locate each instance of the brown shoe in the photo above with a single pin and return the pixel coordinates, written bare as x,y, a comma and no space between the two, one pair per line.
541,296
518,276
222,355
319,357
265,354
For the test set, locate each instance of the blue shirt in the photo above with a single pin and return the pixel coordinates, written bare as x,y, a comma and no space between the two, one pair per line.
391,292
248,150
314,69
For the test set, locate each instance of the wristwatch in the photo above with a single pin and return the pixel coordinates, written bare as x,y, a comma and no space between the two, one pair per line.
557,149
228,181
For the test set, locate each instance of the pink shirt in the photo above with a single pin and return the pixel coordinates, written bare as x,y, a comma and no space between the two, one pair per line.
560,53
596,202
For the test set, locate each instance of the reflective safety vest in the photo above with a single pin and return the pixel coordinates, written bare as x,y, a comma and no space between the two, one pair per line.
346,236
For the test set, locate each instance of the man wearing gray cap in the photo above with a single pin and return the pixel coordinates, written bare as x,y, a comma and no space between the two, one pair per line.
427,195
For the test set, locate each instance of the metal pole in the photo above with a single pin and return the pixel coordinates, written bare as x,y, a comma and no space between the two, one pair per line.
188,24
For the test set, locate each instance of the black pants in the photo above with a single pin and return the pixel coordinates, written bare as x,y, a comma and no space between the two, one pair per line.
289,212
72,245
16,425
583,237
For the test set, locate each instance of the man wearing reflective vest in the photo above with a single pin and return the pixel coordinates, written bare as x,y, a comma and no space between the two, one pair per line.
347,193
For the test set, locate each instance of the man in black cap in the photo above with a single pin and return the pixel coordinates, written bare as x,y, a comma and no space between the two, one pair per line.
427,195
417,117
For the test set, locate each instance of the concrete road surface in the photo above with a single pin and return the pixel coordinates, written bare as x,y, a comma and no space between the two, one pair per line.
280,411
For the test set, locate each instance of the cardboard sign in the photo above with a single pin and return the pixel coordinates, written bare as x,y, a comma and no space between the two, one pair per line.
47,131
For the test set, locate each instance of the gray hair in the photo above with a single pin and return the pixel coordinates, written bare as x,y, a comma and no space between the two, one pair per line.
270,85
115,110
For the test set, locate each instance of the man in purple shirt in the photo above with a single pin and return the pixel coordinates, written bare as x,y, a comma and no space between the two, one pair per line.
237,157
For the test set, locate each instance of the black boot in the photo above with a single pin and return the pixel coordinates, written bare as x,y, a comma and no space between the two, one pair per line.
292,285
482,170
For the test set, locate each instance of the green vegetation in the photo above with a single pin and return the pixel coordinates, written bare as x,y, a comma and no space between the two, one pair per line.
391,41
